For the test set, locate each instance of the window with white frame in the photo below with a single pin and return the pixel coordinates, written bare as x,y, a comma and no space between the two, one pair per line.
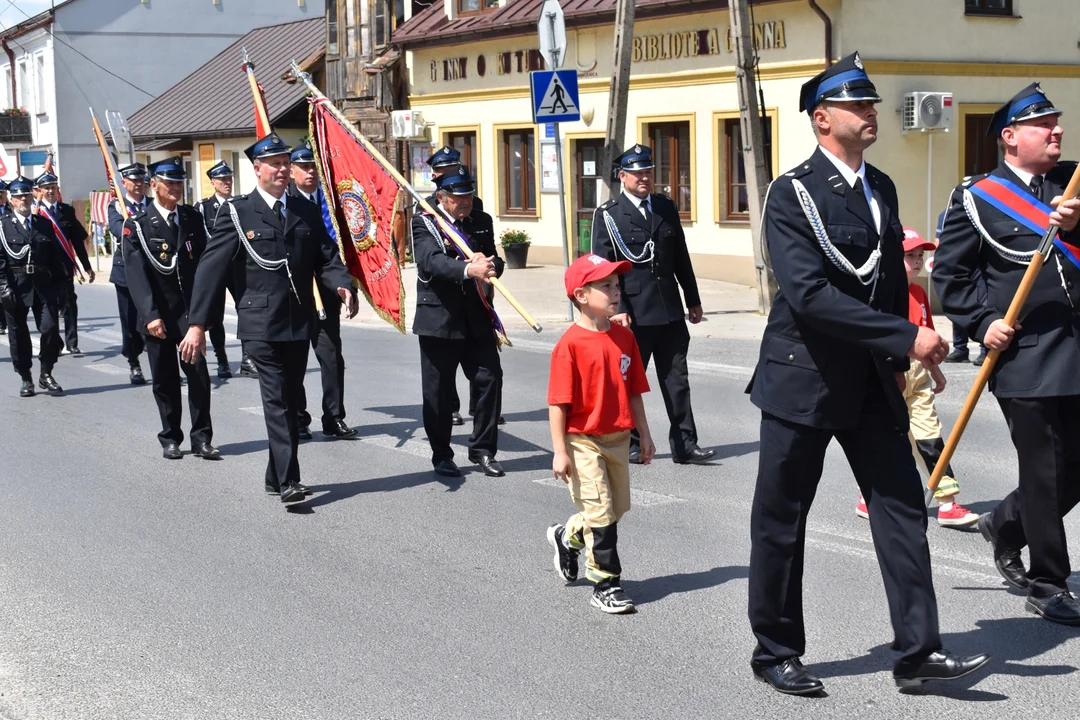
7,87
42,102
23,88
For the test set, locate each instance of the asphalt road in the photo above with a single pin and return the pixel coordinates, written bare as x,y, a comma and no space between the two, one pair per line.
134,587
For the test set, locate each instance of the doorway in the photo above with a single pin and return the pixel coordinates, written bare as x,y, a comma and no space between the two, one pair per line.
588,175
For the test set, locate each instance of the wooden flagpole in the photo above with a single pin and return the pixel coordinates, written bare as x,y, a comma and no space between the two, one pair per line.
264,118
114,179
446,227
1011,316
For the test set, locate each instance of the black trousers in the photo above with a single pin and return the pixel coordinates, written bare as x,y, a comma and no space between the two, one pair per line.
22,349
1046,434
668,345
789,468
281,367
69,310
455,401
165,367
217,341
479,360
133,342
327,347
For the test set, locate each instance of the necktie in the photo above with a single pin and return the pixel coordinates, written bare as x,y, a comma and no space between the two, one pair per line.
646,212
277,208
27,223
55,210
1036,185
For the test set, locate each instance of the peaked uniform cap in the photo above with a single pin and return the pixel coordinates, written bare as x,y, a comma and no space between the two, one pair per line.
221,170
169,169
1028,104
846,81
267,147
21,185
46,178
303,154
445,156
638,157
134,171
457,182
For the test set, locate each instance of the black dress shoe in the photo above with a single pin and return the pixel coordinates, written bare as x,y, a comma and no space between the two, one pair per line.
46,382
275,490
1061,608
248,368
697,456
958,355
502,420
455,419
137,377
3,330
977,362
303,432
171,452
206,451
1006,560
940,665
447,468
790,678
74,350
292,493
635,457
223,369
339,430
27,389
489,465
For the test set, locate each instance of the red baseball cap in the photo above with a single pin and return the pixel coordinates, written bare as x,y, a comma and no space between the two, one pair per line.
588,268
913,241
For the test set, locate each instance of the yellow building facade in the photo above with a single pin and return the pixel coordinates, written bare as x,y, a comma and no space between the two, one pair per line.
474,94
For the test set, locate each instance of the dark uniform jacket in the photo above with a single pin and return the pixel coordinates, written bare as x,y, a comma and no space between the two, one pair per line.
208,208
117,275
46,258
330,298
448,304
76,233
650,290
1043,359
826,347
267,309
157,295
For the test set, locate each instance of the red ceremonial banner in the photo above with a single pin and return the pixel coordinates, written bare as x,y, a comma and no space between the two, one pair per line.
361,196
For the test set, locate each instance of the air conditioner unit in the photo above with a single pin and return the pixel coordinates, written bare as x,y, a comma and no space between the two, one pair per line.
407,124
927,111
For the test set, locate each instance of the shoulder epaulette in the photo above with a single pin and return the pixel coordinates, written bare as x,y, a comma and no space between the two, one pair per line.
800,171
609,203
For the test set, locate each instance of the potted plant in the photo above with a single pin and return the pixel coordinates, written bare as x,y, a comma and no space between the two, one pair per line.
515,244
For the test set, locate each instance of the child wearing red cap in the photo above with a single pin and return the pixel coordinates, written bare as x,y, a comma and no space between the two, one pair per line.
594,399
920,387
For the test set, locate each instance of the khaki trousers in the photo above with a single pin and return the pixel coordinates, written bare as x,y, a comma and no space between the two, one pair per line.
600,488
925,434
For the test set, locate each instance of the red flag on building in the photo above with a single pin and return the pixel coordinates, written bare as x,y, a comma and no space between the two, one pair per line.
361,197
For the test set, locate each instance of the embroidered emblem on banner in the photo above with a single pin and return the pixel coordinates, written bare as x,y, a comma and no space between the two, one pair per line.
357,209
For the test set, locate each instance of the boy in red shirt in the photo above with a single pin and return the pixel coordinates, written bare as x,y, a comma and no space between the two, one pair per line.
594,399
919,390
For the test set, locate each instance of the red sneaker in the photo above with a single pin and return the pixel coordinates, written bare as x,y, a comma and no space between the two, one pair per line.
956,516
860,509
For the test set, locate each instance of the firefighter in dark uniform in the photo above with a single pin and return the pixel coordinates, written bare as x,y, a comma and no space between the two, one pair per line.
833,354
4,210
644,227
273,246
221,178
31,266
1037,377
455,326
162,245
447,159
327,341
134,180
64,215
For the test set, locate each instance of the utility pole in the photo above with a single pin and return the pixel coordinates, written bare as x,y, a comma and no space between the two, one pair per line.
617,95
753,139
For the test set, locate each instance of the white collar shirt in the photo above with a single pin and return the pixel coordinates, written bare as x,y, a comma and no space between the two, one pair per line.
270,199
166,213
1024,175
639,203
850,176
219,198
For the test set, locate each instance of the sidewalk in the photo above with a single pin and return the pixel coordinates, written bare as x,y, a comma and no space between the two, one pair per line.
730,309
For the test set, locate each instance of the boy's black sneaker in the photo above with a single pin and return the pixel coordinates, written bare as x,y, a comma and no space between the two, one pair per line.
565,559
611,599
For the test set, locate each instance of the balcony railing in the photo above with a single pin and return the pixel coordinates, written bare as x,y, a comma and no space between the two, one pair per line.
15,129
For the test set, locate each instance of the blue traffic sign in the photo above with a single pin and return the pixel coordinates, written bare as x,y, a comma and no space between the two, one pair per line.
554,96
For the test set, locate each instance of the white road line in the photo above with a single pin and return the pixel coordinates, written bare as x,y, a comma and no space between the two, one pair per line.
638,498
107,369
253,410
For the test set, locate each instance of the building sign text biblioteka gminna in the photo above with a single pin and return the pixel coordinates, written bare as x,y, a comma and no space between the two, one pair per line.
663,46
690,43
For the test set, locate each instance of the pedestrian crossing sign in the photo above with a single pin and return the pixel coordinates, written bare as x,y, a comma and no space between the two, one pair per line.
554,96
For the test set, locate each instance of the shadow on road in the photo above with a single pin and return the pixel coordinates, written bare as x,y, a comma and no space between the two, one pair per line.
344,491
657,588
92,390
1009,640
